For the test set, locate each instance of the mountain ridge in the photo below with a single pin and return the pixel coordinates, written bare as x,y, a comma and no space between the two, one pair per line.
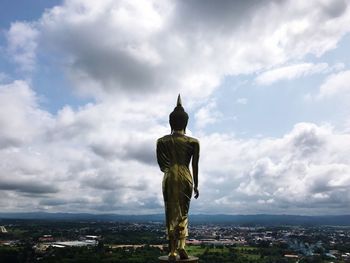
257,219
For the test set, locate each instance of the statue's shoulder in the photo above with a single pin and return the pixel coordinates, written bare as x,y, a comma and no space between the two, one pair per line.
164,138
192,140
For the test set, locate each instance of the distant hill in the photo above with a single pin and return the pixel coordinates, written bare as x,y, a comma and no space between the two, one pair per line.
242,220
272,220
82,216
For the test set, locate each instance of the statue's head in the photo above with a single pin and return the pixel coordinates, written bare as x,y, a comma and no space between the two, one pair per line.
178,118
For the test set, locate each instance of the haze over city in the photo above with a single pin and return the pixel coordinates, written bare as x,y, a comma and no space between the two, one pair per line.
86,88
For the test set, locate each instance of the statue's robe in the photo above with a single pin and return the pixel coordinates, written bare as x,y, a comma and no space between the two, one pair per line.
174,153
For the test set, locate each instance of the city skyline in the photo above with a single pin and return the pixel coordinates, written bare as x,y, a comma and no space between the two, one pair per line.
86,88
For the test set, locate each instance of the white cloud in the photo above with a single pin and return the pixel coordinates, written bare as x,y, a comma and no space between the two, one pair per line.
22,44
134,58
304,172
101,158
184,46
335,84
77,160
290,72
207,114
19,104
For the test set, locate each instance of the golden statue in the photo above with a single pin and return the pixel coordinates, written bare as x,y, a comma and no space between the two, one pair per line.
174,153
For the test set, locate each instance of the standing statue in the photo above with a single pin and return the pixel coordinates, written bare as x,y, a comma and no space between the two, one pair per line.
174,153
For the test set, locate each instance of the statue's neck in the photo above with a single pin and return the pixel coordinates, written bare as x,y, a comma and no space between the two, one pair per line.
179,132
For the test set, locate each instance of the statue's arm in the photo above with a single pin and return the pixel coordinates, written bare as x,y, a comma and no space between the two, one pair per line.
195,160
162,159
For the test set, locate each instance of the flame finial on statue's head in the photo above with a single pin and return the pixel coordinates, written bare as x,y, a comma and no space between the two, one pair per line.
178,118
179,103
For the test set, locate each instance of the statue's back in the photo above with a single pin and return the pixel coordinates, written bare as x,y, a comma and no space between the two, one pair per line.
175,149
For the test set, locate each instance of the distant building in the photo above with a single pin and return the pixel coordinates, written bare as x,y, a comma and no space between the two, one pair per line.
92,238
75,243
330,255
3,229
345,256
46,238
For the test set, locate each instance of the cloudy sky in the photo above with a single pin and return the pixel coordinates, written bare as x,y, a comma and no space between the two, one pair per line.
86,88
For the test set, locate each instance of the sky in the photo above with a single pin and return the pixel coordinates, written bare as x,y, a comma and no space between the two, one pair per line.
86,88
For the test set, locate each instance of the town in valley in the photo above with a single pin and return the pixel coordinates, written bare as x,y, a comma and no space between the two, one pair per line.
38,240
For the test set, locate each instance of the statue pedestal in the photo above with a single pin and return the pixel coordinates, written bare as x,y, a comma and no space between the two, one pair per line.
191,259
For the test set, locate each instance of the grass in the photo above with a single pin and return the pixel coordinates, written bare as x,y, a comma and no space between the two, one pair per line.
198,250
